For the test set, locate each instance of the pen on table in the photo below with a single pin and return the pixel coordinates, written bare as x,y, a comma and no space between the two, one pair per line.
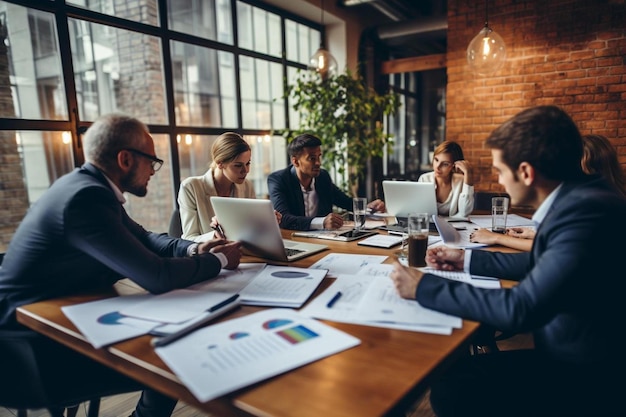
194,326
334,299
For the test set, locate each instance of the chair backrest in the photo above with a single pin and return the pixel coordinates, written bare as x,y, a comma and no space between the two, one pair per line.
22,384
482,199
176,227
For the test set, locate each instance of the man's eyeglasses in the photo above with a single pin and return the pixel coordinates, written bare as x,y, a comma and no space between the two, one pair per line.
156,162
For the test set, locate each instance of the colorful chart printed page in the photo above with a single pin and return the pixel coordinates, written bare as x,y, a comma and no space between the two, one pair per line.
222,358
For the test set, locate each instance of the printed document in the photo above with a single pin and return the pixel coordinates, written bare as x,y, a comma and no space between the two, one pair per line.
512,220
346,263
367,298
219,359
102,323
282,286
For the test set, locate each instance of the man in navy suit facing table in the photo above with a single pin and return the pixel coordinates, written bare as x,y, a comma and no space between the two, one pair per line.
570,291
304,193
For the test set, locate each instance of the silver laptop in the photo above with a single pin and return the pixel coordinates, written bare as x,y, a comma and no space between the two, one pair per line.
404,197
253,222
451,236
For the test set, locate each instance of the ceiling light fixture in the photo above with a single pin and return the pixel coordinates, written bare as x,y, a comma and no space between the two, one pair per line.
486,53
322,61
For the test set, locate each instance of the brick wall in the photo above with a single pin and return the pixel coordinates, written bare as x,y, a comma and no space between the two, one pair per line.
570,53
12,189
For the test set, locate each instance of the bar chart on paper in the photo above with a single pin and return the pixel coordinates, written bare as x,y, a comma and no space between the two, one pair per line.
227,356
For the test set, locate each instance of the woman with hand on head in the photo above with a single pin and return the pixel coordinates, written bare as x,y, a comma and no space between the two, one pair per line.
226,177
454,183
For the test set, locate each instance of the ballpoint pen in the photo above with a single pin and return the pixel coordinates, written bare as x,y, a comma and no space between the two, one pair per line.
164,341
334,299
219,230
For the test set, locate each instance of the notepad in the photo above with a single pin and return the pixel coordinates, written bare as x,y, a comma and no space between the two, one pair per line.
282,286
382,241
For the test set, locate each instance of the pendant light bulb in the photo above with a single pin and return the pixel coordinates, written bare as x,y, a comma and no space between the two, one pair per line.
486,53
322,60
323,63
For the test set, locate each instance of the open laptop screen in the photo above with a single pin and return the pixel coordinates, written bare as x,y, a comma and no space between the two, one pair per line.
404,197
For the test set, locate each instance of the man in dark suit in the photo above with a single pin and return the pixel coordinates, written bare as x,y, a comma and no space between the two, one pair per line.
78,237
304,193
570,291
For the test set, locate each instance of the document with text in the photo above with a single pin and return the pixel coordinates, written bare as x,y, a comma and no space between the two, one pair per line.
282,286
216,360
367,298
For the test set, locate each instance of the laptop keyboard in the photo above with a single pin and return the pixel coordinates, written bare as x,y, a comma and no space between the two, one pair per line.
290,252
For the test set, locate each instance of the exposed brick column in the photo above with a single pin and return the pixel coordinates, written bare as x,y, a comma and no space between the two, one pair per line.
13,194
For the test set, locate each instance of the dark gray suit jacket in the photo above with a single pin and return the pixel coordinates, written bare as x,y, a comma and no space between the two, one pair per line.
571,285
78,237
286,196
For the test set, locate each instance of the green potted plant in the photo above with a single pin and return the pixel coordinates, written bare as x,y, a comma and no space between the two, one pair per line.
347,117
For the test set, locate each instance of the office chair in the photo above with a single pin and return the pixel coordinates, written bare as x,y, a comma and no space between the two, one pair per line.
26,385
23,383
176,227
482,200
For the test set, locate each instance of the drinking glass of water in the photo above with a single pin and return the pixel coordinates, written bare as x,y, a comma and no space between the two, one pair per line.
359,211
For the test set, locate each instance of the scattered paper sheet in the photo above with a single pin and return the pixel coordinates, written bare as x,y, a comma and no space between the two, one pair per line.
512,220
231,281
381,303
282,286
176,306
102,323
475,280
381,241
216,360
345,308
346,263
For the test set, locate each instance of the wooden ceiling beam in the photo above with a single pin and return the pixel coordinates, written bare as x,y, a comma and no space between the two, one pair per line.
420,63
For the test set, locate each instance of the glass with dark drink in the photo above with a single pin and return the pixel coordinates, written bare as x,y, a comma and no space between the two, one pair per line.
418,238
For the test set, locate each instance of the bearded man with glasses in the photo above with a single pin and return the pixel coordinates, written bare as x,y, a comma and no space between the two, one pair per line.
78,237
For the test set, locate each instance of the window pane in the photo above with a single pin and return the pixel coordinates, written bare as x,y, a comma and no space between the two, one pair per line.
259,30
154,210
268,155
144,11
302,42
202,18
117,70
274,35
294,116
244,25
204,86
261,82
34,65
45,156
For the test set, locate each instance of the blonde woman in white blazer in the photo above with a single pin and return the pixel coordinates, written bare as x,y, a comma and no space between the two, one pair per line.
226,177
453,181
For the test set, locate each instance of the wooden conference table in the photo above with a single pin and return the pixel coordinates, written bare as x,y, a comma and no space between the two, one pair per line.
382,376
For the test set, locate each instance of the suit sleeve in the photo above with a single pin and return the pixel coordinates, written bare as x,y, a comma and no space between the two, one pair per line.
340,199
97,225
553,279
283,199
